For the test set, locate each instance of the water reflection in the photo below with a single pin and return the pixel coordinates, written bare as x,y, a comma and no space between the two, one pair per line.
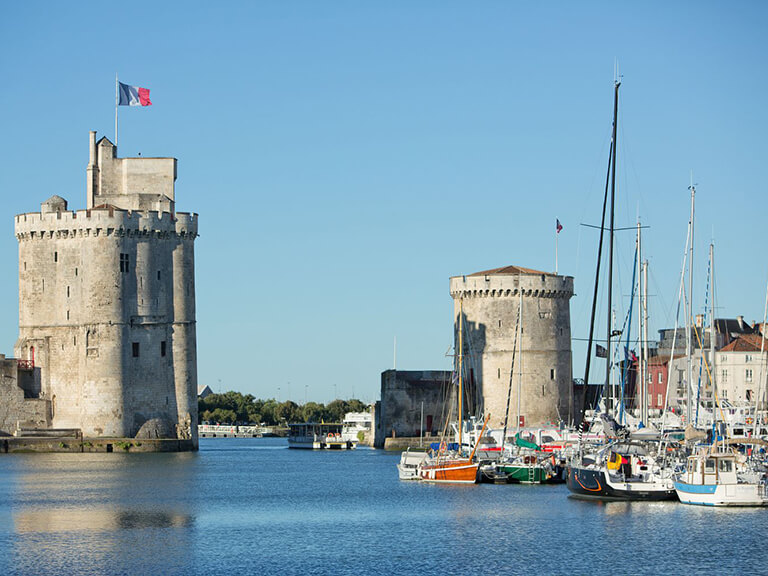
95,520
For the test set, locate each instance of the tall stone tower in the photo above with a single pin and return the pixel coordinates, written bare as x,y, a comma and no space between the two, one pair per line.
490,301
107,301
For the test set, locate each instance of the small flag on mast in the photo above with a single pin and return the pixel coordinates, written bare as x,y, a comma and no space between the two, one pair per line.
133,95
600,351
559,226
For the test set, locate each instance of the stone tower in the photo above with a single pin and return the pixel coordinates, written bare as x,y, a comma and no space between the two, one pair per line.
107,301
490,301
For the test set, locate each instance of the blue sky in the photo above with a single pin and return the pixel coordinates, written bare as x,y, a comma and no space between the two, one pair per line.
347,158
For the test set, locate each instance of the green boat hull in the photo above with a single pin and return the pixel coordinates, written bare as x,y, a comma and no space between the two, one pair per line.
524,474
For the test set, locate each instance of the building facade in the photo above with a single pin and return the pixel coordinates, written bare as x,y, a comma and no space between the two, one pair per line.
107,301
541,379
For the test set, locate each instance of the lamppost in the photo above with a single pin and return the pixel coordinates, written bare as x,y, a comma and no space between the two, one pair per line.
305,392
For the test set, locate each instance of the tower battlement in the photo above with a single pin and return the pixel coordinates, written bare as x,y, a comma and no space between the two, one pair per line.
106,221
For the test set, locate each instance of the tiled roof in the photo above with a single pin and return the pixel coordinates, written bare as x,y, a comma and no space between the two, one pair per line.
745,343
510,271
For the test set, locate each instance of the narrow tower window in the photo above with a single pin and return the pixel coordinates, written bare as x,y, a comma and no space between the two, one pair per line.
135,349
55,256
162,348
158,274
124,262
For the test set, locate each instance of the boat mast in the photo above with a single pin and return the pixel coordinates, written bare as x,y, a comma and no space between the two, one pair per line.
640,380
644,340
609,406
762,366
689,315
712,324
520,362
461,357
590,340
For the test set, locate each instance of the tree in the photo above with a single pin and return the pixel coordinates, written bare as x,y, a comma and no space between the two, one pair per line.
313,412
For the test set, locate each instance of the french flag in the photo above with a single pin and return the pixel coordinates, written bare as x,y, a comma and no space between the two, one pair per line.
133,96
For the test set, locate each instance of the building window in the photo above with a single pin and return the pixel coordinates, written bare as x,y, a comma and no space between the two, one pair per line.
748,375
747,358
552,374
135,349
67,291
75,271
67,314
498,372
749,395
661,377
724,375
162,348
55,256
124,262
658,400
158,274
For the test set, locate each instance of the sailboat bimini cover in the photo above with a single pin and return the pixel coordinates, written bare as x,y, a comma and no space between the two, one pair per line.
525,443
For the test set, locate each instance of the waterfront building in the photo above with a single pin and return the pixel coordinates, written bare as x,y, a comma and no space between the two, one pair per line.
107,302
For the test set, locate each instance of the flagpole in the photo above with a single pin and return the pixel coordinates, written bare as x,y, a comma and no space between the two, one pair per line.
117,99
556,238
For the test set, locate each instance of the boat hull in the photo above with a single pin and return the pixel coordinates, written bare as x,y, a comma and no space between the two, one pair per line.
593,483
449,472
721,494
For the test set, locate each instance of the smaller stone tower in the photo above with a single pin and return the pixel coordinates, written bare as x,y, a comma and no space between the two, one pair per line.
490,301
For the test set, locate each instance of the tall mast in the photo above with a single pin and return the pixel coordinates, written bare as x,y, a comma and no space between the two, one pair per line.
760,392
644,340
609,334
640,380
461,364
591,340
689,315
713,372
520,361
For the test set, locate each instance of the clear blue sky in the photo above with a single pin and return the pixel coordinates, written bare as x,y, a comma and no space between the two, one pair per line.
347,158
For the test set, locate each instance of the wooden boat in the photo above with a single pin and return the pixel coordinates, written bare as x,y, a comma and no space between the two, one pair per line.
449,466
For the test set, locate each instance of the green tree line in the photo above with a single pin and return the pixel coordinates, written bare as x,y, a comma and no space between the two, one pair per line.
237,408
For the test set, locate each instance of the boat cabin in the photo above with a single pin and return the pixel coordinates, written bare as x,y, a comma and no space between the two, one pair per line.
711,469
316,436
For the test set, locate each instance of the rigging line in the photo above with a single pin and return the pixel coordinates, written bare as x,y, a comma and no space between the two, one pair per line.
762,364
674,337
511,378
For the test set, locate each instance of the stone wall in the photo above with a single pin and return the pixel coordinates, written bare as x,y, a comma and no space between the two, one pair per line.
400,409
16,405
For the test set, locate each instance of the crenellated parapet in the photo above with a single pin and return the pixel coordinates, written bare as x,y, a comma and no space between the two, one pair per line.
539,285
101,222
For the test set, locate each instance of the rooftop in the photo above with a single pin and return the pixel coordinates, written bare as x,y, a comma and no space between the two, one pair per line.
746,343
510,271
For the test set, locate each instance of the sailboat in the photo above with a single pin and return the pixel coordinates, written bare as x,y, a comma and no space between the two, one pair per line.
718,475
624,469
447,466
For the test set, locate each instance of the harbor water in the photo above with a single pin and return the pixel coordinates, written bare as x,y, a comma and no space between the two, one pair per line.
252,506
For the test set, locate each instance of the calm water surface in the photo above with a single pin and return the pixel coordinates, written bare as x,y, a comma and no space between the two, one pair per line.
252,506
